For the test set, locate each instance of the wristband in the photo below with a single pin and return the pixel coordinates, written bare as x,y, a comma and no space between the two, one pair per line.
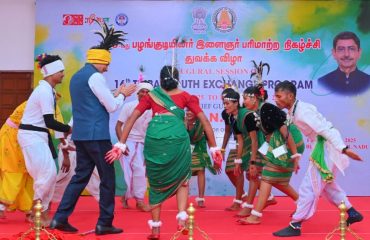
296,155
121,146
238,160
214,149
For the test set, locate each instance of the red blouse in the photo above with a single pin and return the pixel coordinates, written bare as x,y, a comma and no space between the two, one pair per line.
182,100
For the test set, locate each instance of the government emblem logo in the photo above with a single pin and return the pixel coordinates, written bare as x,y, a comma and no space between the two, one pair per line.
199,25
224,19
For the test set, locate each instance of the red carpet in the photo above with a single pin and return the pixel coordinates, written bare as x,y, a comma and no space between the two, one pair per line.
219,224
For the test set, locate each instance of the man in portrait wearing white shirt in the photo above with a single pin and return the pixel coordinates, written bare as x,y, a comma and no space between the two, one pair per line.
133,164
329,155
92,101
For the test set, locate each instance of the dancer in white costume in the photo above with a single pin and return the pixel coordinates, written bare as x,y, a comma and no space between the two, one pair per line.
329,155
67,164
133,164
34,137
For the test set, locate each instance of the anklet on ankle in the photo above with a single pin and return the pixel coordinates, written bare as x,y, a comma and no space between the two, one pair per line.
237,201
153,224
247,205
199,199
255,213
182,216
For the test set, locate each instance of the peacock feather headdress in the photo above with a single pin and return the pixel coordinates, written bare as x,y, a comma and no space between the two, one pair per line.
110,37
100,54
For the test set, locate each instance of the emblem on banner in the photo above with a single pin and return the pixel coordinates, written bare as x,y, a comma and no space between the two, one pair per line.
121,19
224,19
199,25
73,19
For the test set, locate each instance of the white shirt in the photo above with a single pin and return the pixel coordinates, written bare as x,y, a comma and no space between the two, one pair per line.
138,131
98,86
40,102
312,123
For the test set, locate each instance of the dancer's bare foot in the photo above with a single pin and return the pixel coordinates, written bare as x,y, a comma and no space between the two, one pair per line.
270,203
244,212
234,207
2,214
200,202
155,226
141,206
29,218
45,219
251,220
182,226
155,234
124,202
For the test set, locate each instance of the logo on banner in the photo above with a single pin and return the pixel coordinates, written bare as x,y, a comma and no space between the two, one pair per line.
121,19
73,19
199,25
224,19
90,19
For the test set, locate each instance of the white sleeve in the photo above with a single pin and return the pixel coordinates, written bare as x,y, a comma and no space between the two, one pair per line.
71,122
123,116
58,135
99,87
46,100
322,127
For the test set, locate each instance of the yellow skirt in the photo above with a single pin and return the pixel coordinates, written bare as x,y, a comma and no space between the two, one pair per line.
11,156
16,185
16,191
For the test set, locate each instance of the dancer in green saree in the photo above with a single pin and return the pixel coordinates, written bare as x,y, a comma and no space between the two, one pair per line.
229,140
247,158
167,146
282,149
200,159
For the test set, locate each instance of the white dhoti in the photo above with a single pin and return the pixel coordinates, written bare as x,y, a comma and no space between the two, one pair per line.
134,171
40,165
313,186
63,178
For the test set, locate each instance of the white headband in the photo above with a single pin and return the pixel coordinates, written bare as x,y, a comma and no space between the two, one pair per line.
231,99
51,68
144,85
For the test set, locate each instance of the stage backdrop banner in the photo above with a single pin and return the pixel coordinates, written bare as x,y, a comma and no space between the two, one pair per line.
217,42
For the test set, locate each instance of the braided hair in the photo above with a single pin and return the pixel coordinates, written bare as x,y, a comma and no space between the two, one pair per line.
169,81
226,91
257,90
